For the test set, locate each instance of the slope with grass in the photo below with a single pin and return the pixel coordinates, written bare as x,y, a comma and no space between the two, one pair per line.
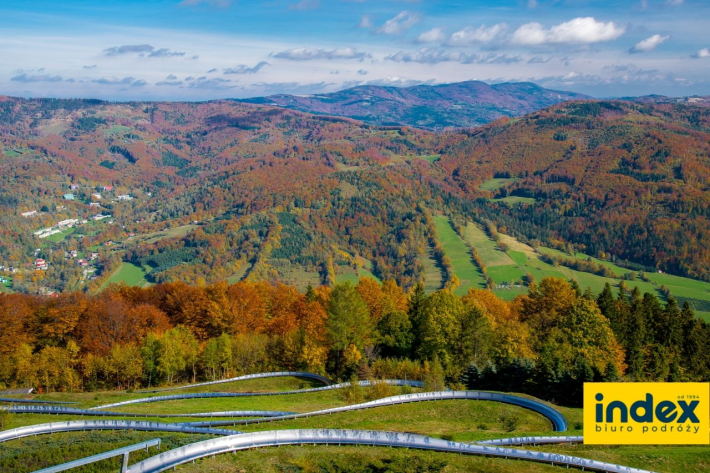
461,421
130,274
509,270
470,277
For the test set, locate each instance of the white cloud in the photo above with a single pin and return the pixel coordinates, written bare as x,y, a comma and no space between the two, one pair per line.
649,44
434,35
703,53
435,56
36,78
306,54
244,69
481,34
128,81
399,24
577,31
366,22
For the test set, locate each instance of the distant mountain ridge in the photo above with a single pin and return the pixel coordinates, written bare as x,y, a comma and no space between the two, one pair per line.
434,107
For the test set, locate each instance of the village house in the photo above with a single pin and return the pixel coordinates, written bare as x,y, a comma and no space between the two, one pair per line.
69,197
29,214
70,222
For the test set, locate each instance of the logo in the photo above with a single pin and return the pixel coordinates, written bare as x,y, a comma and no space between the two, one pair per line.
647,413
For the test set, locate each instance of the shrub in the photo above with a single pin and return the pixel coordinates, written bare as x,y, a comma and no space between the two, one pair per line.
510,422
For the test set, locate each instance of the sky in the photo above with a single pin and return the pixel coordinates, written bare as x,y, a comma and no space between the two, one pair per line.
208,49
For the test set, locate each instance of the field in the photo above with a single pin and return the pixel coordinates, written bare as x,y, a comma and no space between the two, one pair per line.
460,256
433,276
149,238
57,237
456,420
510,200
130,274
509,268
431,158
497,183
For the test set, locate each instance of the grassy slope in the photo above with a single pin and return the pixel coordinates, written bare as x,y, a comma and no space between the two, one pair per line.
455,420
522,259
460,256
497,183
433,277
128,273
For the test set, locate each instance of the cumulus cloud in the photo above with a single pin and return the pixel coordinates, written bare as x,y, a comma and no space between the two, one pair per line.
244,69
649,44
143,50
24,77
306,54
703,53
435,56
362,72
470,35
434,35
399,24
127,81
93,66
577,31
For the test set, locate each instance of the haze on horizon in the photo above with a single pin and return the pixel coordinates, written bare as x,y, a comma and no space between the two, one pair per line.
207,49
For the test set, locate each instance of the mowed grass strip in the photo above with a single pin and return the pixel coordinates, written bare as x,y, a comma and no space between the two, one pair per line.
487,249
128,273
460,256
497,183
433,276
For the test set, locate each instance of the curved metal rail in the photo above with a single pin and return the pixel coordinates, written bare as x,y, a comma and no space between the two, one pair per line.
559,423
172,397
103,456
178,456
78,425
548,440
61,410
275,374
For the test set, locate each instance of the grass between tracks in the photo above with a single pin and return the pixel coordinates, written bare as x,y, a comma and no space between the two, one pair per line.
457,420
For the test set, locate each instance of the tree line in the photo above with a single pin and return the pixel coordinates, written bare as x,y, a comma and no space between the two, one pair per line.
546,343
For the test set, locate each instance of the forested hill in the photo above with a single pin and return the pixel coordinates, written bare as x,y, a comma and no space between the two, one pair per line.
228,190
613,177
457,105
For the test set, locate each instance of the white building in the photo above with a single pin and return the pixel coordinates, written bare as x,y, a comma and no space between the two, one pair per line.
68,222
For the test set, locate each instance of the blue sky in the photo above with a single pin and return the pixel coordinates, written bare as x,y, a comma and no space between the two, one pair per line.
206,49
